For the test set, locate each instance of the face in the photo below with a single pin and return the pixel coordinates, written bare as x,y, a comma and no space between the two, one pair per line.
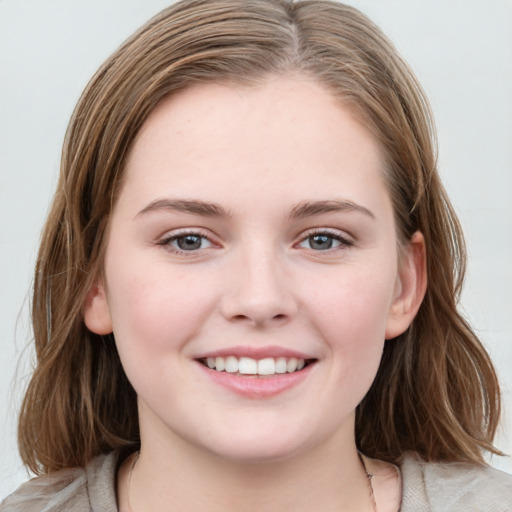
251,275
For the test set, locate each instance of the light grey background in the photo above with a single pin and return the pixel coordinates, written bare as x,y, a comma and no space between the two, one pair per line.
460,49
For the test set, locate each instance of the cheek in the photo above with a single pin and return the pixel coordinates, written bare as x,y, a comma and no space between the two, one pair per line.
353,311
155,312
357,330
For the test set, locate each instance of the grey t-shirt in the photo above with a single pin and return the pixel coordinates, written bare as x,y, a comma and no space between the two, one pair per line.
427,487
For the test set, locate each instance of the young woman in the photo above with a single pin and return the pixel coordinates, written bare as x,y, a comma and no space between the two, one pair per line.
246,291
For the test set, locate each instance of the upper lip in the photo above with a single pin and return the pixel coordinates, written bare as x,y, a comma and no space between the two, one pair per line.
256,352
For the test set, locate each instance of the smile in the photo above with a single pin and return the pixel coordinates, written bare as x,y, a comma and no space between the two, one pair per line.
254,385
249,366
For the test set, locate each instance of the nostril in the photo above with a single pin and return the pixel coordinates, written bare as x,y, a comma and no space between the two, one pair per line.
280,317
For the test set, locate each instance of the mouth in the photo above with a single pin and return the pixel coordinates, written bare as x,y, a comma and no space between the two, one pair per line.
250,367
257,372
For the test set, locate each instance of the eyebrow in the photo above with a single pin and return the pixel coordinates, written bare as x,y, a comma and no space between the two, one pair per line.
192,206
206,209
311,208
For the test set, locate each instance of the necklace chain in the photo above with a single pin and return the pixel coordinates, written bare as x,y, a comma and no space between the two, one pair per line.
135,456
369,477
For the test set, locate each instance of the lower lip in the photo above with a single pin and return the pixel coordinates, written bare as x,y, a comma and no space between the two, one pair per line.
257,386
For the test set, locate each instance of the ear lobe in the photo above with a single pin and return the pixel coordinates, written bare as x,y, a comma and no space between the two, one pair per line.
410,287
96,310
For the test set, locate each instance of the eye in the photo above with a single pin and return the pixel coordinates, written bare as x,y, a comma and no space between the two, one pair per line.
186,242
324,241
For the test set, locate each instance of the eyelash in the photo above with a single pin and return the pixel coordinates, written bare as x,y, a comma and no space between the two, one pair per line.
166,242
329,233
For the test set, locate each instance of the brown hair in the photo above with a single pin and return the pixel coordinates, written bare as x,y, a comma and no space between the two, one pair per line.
435,393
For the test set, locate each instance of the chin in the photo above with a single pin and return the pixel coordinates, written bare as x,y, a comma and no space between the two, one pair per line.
258,447
257,454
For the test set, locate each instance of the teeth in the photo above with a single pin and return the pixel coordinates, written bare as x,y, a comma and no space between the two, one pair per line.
266,366
291,365
231,364
249,366
220,364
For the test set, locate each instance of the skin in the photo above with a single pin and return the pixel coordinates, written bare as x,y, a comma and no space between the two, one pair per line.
256,280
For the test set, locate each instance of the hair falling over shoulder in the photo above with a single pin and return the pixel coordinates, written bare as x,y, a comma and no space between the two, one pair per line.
436,392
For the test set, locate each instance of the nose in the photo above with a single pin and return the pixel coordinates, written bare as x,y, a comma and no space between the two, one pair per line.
259,291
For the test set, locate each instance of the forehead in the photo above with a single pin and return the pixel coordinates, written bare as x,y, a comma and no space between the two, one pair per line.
288,131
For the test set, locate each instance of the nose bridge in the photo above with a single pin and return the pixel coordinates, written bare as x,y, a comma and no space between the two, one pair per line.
260,290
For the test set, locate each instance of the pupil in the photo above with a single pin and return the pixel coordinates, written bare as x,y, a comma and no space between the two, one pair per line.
321,242
189,242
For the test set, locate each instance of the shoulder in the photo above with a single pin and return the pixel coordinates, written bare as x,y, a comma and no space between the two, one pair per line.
454,487
77,489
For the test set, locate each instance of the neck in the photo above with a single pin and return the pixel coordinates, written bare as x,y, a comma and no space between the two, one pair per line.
178,476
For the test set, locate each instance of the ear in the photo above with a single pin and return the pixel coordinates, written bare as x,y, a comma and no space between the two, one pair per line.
410,287
96,310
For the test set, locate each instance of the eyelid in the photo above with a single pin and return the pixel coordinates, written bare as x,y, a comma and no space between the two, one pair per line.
344,239
165,240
